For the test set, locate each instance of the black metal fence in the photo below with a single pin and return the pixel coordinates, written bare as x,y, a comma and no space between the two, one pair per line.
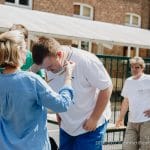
119,69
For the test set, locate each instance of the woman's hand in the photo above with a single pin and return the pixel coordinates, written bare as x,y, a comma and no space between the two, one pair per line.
69,66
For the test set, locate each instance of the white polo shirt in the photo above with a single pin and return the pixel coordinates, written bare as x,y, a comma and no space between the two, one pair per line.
138,94
89,77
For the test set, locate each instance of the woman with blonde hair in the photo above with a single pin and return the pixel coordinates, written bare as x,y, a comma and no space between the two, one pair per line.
29,64
24,97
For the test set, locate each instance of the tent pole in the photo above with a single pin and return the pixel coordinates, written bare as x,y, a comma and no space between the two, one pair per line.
129,51
137,51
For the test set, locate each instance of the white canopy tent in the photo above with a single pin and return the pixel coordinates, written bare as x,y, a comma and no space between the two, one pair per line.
59,26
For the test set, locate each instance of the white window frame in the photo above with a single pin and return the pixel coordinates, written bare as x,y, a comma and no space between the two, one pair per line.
16,3
81,11
90,46
131,20
78,43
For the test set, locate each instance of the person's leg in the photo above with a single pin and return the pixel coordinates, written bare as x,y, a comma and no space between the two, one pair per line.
131,137
65,141
91,140
145,136
53,144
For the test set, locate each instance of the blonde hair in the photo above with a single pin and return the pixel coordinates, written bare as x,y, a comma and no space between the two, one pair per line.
12,44
137,60
21,28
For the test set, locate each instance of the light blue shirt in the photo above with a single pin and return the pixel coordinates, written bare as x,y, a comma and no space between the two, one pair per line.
24,97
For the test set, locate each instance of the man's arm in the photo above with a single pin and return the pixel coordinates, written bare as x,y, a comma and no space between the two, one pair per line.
124,109
102,100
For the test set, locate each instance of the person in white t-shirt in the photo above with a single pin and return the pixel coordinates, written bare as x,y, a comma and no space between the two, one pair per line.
84,124
136,93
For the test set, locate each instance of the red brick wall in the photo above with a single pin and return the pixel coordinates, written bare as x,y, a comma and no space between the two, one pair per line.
112,11
145,14
63,7
2,1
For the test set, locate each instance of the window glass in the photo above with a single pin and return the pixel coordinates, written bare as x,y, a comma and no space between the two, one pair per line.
127,19
85,45
77,9
10,1
20,3
135,20
86,11
83,11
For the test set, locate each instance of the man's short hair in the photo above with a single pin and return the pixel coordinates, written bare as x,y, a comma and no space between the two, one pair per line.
44,47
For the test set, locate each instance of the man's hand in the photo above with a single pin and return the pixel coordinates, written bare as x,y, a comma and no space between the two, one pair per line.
90,124
147,113
119,123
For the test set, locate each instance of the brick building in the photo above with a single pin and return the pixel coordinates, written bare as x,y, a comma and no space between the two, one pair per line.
134,13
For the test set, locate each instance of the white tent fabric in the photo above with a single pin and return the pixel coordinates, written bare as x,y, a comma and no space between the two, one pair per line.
73,28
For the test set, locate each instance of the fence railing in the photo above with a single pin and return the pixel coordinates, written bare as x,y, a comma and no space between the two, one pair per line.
118,68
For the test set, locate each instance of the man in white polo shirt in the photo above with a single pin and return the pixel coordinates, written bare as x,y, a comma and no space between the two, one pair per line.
136,93
84,124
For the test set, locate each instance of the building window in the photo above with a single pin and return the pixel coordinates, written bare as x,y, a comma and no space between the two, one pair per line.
132,20
24,2
85,45
10,1
83,11
20,3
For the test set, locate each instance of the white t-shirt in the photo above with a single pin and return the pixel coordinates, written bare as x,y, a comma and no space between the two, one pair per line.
138,94
89,77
